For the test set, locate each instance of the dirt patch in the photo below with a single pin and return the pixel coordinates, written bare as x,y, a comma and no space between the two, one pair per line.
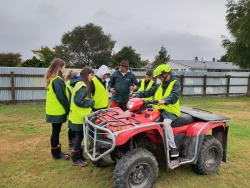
10,145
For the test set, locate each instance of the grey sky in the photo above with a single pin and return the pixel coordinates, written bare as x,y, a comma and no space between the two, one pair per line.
186,28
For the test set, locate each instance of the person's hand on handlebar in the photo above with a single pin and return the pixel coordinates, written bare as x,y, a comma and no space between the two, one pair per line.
161,102
135,95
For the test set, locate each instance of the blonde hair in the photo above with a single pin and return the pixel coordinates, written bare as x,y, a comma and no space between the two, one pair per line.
53,70
70,74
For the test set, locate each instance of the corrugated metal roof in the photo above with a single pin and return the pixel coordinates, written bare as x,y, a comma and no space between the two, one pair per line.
207,64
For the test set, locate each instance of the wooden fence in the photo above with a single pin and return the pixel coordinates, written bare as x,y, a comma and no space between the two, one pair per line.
13,88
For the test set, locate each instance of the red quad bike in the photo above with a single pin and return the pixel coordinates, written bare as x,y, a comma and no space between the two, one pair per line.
135,141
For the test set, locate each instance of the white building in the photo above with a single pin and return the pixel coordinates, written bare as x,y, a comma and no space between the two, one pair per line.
203,66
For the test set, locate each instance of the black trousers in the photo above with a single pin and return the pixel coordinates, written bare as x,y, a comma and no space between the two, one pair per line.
54,139
123,106
78,140
71,134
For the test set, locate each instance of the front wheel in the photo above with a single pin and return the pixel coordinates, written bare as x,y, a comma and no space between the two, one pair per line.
210,156
136,169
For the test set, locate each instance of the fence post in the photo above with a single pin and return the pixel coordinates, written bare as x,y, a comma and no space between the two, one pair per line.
228,85
248,87
181,82
205,86
13,96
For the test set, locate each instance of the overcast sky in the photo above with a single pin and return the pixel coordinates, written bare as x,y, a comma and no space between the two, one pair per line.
186,28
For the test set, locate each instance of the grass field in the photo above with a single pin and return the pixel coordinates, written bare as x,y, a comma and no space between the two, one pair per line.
25,159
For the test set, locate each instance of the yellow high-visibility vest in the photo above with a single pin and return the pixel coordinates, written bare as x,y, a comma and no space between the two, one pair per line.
53,106
141,88
100,97
172,108
76,114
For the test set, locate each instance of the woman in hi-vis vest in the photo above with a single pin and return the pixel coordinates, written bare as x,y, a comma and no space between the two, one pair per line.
99,91
81,104
57,105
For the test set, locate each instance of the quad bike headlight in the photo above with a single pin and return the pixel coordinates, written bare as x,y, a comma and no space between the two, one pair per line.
130,105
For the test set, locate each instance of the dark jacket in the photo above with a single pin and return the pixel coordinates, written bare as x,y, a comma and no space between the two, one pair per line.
59,89
171,99
121,84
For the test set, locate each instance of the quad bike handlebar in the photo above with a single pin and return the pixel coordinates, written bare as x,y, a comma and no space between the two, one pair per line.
151,102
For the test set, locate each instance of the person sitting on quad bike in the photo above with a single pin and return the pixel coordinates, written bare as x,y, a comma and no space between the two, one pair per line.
168,94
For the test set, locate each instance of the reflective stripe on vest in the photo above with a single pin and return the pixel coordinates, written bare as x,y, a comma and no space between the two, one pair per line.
148,87
172,108
76,114
101,95
53,106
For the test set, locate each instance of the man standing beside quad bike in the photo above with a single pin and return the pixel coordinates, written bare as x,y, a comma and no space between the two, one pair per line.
168,94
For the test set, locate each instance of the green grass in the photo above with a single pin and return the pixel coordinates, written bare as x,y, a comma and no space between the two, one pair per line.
25,159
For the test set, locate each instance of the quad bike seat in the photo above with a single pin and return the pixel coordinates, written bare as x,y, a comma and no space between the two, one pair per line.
183,119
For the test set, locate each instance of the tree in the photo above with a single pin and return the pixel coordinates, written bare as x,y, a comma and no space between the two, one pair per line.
238,19
33,62
10,59
46,56
86,46
127,52
163,57
224,58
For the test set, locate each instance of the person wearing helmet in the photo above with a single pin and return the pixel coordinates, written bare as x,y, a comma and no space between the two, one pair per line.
168,94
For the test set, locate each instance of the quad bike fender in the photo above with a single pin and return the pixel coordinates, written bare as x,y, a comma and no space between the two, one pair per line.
123,137
220,132
201,128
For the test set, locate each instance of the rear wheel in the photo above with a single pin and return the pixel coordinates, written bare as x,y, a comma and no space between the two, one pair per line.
210,156
136,169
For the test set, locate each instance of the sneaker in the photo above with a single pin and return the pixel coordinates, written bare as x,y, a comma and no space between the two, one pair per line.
174,152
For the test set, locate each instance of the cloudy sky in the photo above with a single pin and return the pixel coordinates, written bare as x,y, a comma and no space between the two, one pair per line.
186,28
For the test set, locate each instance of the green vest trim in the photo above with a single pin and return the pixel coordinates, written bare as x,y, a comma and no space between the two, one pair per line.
148,87
172,108
76,114
53,106
100,97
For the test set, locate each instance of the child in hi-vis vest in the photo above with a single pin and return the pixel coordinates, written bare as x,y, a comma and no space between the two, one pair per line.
57,105
81,104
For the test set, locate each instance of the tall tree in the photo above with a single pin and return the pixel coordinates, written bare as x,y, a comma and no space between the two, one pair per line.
127,52
86,46
238,19
10,59
162,57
